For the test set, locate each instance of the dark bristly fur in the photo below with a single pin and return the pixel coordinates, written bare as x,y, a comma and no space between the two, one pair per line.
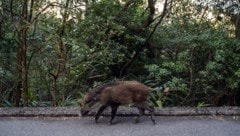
102,87
116,94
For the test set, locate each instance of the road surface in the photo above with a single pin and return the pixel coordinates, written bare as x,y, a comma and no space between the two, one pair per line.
123,126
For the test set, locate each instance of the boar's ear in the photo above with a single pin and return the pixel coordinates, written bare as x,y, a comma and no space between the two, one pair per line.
95,98
89,89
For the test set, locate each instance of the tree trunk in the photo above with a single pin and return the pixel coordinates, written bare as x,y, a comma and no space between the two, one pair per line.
55,75
18,91
22,80
237,25
54,91
24,68
23,47
1,21
62,49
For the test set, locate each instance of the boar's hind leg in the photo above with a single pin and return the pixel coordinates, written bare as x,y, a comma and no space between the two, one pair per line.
101,109
141,112
114,110
150,109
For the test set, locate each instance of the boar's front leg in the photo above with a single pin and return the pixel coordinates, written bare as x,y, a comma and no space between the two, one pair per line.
101,109
114,111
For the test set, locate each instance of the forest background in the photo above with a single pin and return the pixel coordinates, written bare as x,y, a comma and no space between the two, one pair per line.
53,51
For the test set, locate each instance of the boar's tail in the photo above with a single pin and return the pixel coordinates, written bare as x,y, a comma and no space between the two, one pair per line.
162,88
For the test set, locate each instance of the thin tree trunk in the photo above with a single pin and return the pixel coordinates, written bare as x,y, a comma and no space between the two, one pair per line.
237,25
54,91
23,46
18,92
62,49
55,75
24,68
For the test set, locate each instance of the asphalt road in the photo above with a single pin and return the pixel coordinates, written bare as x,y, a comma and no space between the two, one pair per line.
123,126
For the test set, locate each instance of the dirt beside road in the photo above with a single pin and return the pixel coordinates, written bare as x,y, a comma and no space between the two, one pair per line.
122,111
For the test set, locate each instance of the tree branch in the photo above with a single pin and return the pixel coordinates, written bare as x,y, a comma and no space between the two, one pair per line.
65,16
44,9
151,6
31,11
128,64
128,3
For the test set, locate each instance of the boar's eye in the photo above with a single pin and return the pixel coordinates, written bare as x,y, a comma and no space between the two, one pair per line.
88,101
93,100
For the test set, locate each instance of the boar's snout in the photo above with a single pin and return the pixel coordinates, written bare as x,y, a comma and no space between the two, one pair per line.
84,112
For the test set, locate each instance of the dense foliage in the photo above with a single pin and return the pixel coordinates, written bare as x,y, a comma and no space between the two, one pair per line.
51,58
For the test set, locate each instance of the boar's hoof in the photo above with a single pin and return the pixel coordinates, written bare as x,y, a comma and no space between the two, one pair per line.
136,120
154,122
112,123
96,120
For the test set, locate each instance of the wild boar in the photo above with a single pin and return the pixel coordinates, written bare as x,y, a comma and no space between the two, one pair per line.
116,94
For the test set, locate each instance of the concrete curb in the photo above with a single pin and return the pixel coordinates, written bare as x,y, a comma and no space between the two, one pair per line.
122,111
